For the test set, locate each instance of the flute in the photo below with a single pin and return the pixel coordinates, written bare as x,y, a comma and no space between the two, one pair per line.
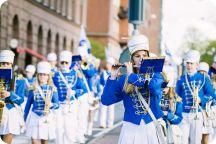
123,65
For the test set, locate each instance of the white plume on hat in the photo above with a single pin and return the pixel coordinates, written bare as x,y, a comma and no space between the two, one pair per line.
30,68
7,56
192,56
203,66
65,56
138,42
44,67
51,57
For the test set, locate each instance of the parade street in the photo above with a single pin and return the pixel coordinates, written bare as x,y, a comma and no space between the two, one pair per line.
100,136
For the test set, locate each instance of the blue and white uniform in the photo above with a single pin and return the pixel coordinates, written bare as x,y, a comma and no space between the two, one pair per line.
67,115
29,85
106,112
185,88
138,126
12,109
40,125
173,118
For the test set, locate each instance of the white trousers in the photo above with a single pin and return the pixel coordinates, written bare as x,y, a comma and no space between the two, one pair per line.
107,115
192,128
138,134
82,116
66,124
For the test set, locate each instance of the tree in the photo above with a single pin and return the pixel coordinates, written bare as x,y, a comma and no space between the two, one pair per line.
209,52
97,49
195,39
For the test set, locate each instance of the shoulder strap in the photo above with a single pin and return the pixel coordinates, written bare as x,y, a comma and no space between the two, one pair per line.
68,87
41,92
159,130
26,81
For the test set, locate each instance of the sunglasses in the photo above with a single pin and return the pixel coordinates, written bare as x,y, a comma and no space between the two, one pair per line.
64,62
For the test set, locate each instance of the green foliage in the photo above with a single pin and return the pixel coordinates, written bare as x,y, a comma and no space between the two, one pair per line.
209,53
97,49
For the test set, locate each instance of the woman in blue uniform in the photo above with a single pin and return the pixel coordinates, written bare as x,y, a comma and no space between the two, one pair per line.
172,109
29,81
13,95
206,109
41,125
194,88
138,127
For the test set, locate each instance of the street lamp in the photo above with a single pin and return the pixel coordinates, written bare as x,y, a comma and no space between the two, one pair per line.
13,46
136,13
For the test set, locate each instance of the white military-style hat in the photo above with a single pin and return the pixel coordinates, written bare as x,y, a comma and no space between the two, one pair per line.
138,42
110,60
203,66
30,68
65,56
51,57
7,56
192,56
44,67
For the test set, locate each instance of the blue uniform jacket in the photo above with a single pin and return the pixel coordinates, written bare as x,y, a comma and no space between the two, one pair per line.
30,82
198,80
72,79
103,77
134,113
38,101
173,117
16,97
89,74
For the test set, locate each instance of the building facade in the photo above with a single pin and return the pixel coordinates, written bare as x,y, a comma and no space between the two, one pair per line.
42,25
152,24
107,22
103,24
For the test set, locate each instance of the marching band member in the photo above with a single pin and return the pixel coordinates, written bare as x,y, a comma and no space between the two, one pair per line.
192,88
29,81
41,124
52,59
138,126
172,109
89,72
13,95
69,87
83,105
207,127
106,112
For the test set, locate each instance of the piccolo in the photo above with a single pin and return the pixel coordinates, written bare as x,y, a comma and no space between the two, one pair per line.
122,65
119,65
